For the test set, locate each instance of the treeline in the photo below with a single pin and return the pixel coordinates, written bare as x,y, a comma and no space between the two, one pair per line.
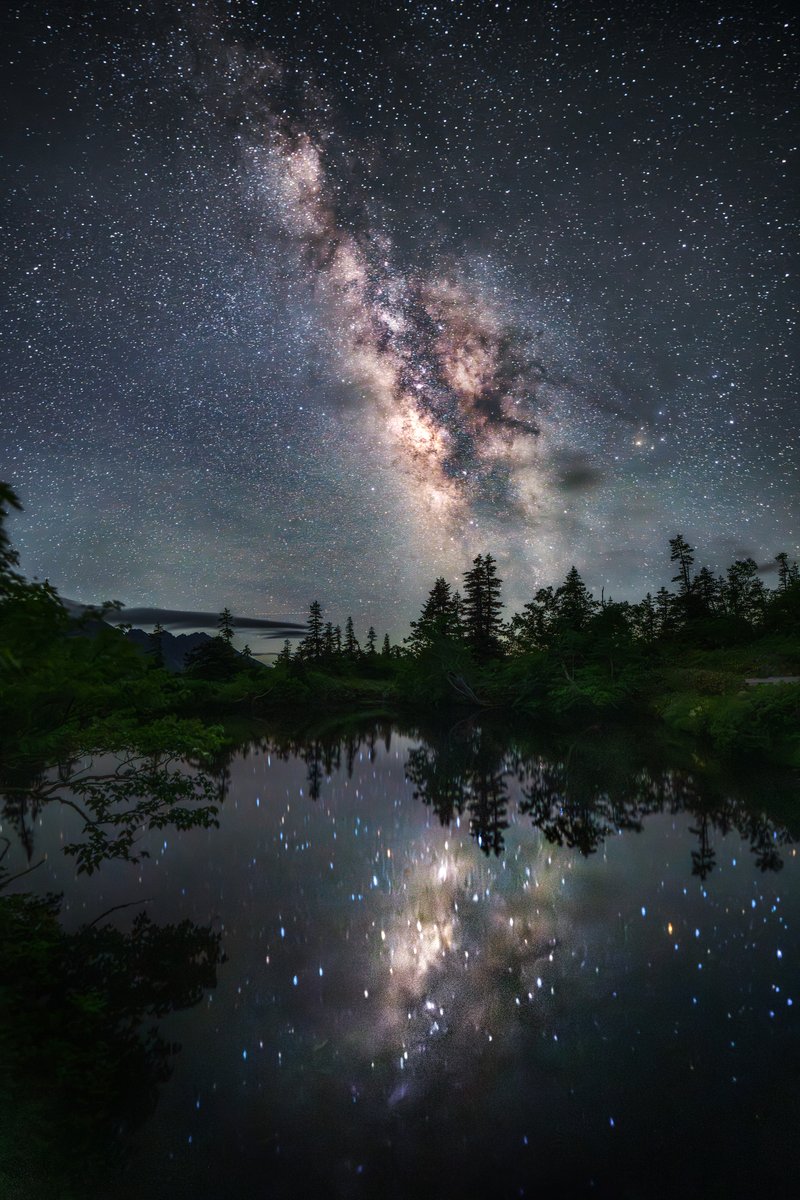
704,609
680,657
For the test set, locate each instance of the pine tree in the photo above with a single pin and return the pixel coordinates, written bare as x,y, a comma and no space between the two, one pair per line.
482,607
225,626
247,652
788,573
285,656
371,638
682,553
352,649
707,591
493,605
744,593
386,649
439,618
574,603
315,625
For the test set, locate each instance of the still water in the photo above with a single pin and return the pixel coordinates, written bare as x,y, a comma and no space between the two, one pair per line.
454,968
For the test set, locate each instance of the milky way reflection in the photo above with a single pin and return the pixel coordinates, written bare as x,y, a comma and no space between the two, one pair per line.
594,976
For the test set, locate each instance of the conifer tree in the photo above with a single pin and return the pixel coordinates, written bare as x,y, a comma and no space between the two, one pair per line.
574,603
439,618
788,573
482,607
285,656
352,649
682,553
744,593
371,638
312,645
225,626
707,591
386,649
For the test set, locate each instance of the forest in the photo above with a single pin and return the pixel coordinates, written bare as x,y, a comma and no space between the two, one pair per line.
713,659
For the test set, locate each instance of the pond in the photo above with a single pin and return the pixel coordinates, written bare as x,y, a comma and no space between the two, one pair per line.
459,965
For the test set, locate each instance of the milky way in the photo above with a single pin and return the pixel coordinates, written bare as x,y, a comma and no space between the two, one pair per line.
455,388
325,299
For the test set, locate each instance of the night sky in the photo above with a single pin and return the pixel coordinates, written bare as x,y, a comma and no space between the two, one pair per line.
321,300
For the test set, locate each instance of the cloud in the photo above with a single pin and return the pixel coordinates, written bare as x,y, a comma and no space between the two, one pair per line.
575,473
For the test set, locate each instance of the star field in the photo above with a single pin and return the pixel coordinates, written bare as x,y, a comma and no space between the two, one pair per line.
315,299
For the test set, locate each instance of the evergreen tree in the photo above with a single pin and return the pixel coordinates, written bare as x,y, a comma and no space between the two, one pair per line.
315,626
646,619
744,593
707,592
473,604
352,650
573,602
225,626
247,652
788,573
285,656
493,605
386,649
482,607
530,629
439,618
371,638
665,609
682,553
312,645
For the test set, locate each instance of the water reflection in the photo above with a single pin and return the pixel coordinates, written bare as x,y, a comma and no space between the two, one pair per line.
475,962
81,1061
81,1069
577,794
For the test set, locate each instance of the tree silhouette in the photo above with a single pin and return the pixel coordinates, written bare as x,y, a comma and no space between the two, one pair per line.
682,553
312,646
439,618
574,603
82,1062
352,650
225,626
482,607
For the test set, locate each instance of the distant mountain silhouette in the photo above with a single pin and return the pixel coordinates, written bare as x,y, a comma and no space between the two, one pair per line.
174,647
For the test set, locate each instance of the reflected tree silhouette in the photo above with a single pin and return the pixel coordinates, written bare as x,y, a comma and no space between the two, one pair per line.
116,797
81,1061
578,794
